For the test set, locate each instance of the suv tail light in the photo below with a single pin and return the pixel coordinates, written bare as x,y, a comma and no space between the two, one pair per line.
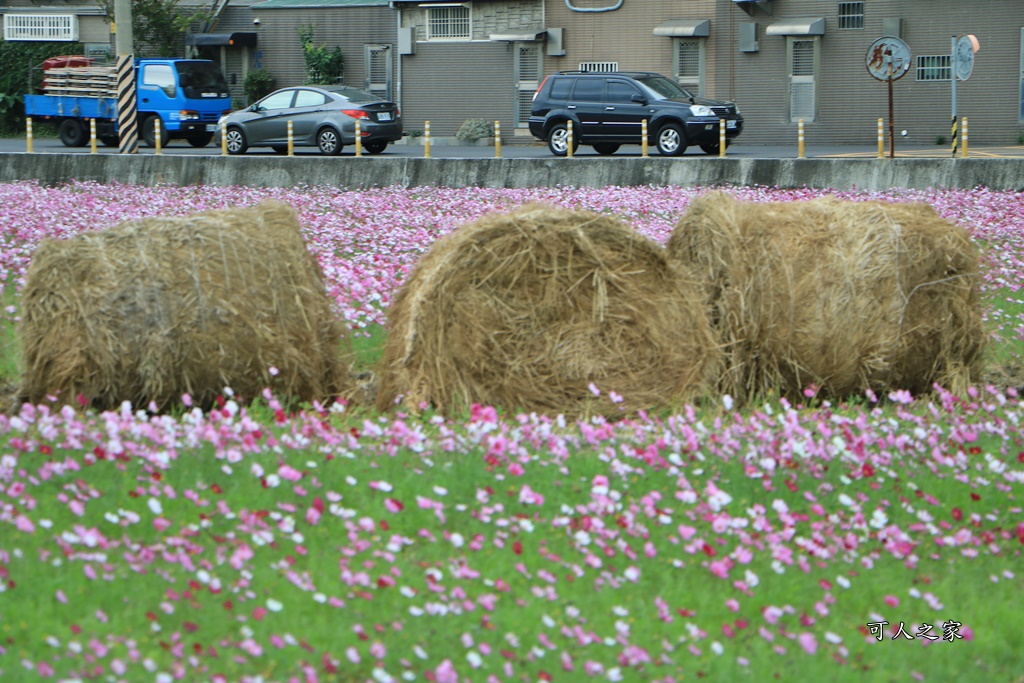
539,87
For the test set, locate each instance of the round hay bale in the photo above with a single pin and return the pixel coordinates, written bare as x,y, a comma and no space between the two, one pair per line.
527,310
155,308
843,295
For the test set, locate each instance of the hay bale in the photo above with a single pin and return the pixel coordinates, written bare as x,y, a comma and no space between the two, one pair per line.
843,295
525,310
155,308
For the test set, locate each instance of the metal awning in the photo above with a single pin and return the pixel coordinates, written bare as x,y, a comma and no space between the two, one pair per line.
518,36
684,28
814,26
247,39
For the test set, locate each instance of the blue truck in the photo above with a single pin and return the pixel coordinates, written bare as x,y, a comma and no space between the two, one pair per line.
187,96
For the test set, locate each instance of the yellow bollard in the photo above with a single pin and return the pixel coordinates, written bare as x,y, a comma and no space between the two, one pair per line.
92,135
964,136
426,139
291,140
881,139
28,135
157,135
497,139
568,139
800,139
359,139
643,137
223,139
721,138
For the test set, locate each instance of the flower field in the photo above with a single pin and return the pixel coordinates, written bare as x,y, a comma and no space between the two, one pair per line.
878,539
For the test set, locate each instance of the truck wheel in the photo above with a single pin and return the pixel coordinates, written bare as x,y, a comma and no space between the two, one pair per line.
72,133
236,142
199,139
149,132
109,140
671,140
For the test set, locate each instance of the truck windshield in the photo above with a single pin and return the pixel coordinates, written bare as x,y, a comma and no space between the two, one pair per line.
202,79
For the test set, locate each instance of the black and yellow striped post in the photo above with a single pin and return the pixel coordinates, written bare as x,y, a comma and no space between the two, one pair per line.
954,132
127,121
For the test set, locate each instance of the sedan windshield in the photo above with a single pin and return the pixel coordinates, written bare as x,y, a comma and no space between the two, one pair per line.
353,94
666,87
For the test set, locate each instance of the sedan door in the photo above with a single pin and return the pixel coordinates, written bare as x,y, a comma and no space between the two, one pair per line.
268,124
624,112
307,112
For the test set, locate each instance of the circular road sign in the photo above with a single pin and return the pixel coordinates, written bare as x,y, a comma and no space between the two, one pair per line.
963,57
888,57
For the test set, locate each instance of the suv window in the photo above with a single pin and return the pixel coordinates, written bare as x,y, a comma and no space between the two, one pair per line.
560,88
620,91
589,90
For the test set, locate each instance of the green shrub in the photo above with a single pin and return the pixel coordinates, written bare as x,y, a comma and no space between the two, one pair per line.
475,129
258,84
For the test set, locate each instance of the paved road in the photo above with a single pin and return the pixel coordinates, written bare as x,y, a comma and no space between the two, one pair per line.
521,150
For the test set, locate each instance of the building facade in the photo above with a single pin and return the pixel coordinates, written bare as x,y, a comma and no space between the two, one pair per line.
781,61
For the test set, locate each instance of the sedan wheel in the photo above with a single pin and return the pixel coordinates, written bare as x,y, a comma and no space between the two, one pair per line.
236,141
375,147
329,142
671,141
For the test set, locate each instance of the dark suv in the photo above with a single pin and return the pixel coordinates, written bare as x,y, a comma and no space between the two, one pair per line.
607,108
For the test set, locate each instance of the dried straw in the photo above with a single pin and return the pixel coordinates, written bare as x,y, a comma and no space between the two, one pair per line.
526,310
159,307
842,295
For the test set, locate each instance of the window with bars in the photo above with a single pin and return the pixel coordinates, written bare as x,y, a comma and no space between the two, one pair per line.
528,73
803,98
49,27
933,67
448,23
599,66
689,64
851,15
377,62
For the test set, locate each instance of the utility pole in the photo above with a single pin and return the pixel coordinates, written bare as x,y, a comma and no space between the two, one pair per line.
127,121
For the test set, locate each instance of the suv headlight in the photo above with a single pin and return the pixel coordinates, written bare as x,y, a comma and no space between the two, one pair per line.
700,110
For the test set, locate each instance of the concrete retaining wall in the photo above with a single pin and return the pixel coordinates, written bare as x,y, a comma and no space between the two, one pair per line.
351,172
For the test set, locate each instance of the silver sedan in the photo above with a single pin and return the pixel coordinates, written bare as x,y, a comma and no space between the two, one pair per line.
322,116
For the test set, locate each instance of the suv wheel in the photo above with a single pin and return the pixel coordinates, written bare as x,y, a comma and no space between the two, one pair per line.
671,141
558,140
606,148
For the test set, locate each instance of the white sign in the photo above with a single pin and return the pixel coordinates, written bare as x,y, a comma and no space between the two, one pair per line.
888,57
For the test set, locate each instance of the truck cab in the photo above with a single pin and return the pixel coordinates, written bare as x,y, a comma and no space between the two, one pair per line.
186,96
189,96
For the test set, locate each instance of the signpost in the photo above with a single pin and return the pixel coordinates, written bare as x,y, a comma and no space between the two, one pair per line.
961,66
888,59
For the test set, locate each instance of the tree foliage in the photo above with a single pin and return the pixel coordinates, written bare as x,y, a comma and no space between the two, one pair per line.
158,26
323,65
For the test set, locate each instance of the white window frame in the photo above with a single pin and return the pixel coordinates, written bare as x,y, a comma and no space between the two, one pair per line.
692,82
850,14
444,15
599,66
48,27
803,82
932,68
